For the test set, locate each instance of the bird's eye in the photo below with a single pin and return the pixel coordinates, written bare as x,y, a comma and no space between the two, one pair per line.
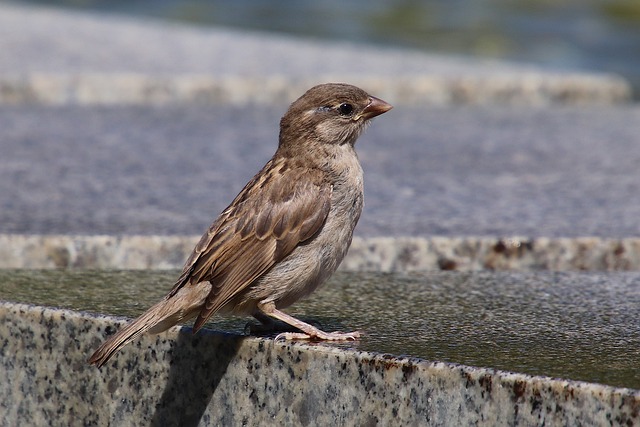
345,109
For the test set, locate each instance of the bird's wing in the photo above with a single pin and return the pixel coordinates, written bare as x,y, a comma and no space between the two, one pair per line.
274,213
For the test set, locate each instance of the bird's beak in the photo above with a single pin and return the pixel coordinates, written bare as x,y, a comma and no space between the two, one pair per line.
375,108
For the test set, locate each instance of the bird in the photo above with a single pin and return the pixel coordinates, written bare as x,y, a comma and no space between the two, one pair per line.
284,234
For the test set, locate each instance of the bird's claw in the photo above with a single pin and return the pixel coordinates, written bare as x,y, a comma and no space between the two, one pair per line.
321,336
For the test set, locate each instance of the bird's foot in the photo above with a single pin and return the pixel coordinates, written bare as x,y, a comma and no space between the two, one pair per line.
268,312
317,334
268,326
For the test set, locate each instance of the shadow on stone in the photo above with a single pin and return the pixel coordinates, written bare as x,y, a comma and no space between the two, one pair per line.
197,366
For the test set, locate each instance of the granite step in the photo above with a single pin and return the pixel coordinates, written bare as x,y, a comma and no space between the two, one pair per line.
51,56
438,348
446,171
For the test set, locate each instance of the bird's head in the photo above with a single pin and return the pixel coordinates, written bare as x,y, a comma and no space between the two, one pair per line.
332,113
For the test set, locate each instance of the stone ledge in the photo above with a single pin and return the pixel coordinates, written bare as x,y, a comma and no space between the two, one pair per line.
384,254
216,379
531,89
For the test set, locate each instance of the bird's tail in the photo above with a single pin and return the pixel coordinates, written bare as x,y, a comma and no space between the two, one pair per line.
170,311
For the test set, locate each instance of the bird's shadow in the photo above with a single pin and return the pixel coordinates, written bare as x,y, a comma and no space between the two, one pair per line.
197,365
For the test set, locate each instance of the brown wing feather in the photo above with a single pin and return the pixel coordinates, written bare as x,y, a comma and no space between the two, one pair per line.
256,232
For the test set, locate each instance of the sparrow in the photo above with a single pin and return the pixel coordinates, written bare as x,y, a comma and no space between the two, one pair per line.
284,234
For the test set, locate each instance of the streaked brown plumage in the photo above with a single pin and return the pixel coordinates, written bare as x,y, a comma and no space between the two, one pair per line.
287,230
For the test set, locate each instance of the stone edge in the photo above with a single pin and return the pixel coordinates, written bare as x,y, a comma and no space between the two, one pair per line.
382,254
532,89
392,388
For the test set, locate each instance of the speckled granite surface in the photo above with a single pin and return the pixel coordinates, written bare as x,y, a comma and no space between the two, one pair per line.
212,379
366,254
581,326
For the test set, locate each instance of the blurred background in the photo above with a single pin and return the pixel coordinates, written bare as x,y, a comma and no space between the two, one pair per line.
594,35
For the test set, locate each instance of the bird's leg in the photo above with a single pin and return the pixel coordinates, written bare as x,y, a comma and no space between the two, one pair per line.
308,331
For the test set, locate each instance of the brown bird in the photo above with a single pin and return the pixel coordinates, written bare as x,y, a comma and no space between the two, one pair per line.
284,234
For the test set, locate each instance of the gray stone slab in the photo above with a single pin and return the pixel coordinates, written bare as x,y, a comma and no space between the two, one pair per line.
565,325
553,172
59,57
